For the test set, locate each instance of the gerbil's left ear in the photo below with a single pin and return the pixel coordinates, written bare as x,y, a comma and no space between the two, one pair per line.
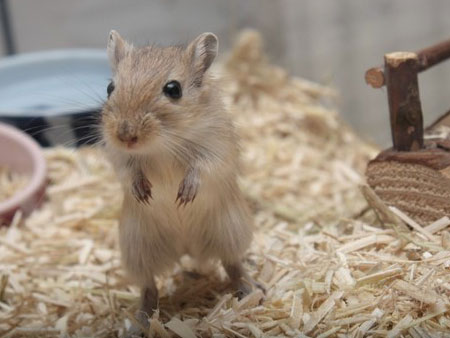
117,49
203,51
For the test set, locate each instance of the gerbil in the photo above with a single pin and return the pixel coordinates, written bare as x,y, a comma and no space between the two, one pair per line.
175,151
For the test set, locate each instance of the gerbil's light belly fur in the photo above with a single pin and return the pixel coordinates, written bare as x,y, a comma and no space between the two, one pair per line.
153,237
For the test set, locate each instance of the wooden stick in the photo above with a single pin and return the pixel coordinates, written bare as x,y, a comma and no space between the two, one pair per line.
405,109
431,56
427,58
375,77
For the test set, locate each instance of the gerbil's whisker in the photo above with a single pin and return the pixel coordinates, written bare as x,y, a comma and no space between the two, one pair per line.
186,149
86,139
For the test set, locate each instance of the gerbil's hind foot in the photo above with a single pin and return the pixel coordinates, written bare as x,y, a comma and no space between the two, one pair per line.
241,282
138,329
142,189
246,286
141,326
149,304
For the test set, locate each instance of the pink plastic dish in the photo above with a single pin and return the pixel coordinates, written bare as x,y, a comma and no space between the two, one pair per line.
20,153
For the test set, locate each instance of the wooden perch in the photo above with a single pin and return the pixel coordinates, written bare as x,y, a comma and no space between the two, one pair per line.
414,175
427,58
404,101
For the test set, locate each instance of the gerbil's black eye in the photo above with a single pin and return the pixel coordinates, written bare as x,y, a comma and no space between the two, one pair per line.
110,88
172,89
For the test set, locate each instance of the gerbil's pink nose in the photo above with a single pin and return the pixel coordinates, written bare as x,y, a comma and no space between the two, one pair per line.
126,134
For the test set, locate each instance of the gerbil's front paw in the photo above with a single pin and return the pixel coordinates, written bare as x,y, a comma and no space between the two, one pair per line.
142,189
188,188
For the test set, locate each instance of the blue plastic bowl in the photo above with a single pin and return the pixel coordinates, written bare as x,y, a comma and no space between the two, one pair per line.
55,96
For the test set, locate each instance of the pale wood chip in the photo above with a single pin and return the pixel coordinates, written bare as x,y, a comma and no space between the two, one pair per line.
322,311
296,313
180,328
379,276
413,224
438,225
365,242
400,326
426,296
330,332
362,330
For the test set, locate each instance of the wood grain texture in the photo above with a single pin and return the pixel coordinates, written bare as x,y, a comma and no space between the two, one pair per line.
413,183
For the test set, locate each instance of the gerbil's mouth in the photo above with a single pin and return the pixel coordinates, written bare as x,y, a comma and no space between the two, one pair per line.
134,146
131,145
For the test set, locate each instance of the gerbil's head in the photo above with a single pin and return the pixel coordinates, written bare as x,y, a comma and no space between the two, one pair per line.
157,94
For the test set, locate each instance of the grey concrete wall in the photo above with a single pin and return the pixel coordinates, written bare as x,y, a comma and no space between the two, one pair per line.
328,41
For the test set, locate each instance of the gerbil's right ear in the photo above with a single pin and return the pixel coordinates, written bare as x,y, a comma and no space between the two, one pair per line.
203,51
117,49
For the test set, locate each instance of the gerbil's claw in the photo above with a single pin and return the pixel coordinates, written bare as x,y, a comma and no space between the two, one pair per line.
145,200
188,188
142,190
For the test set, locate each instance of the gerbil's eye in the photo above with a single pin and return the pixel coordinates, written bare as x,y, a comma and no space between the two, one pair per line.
110,88
172,89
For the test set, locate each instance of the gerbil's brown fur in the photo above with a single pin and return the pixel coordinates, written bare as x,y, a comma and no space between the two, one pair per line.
167,149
